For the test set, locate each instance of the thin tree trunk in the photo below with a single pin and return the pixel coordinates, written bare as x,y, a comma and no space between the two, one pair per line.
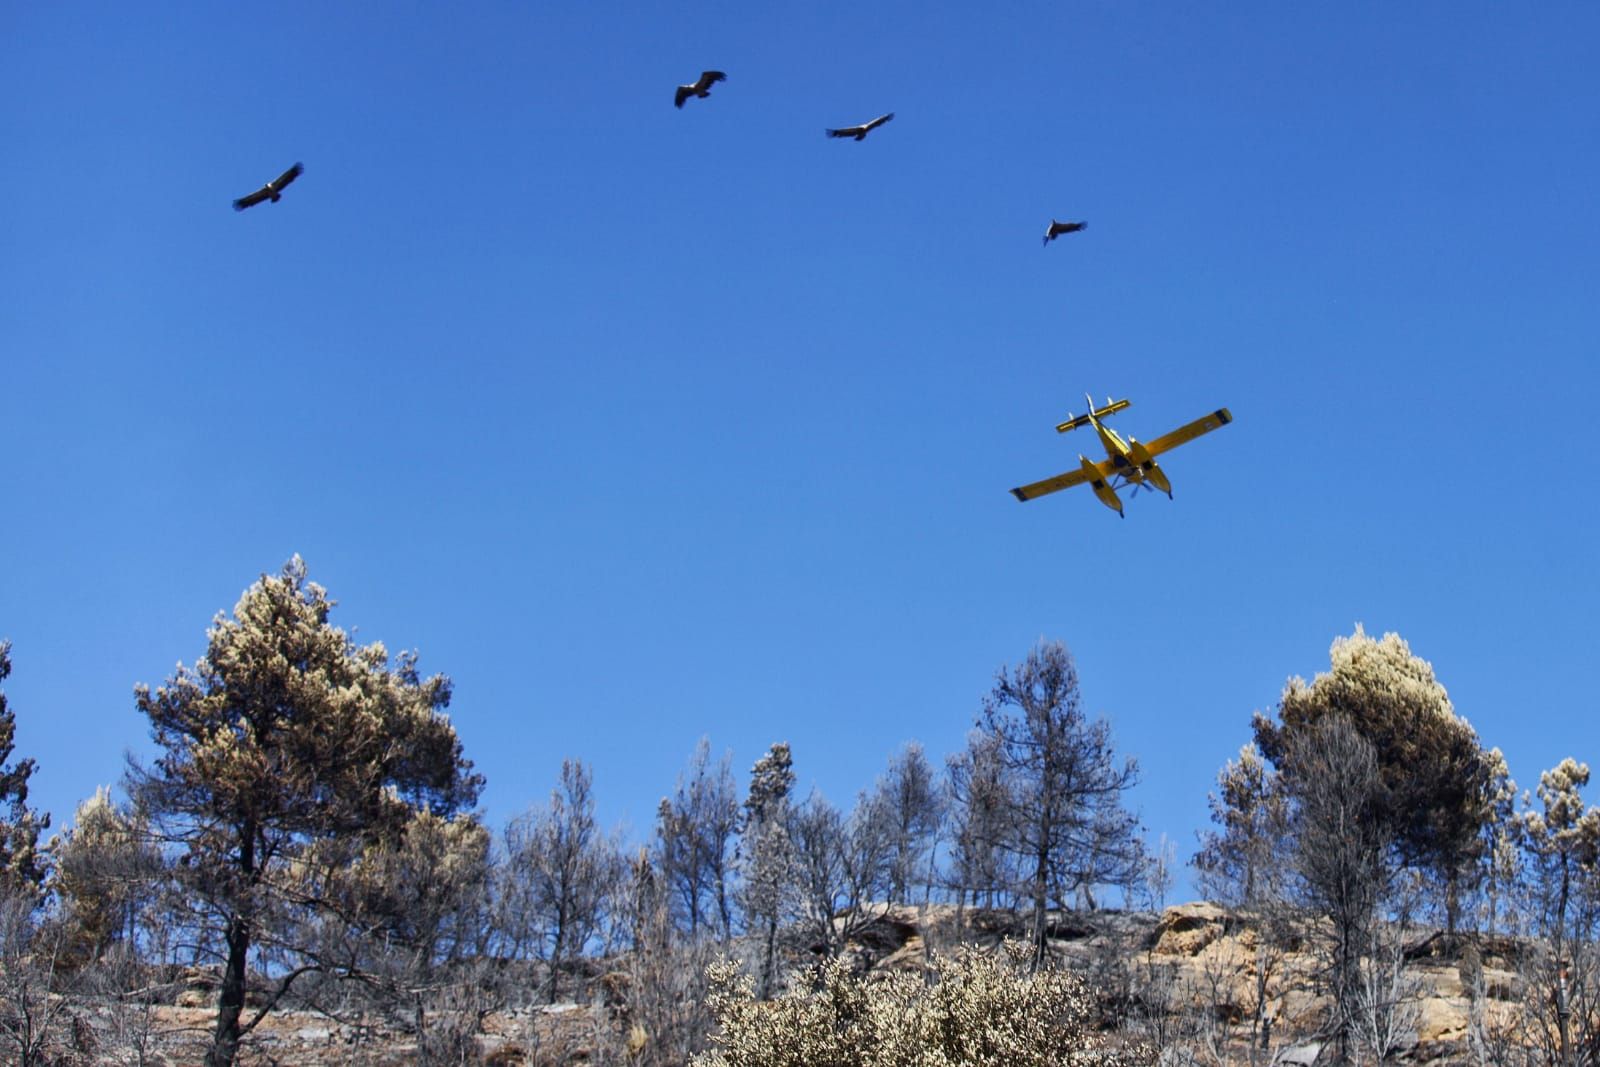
769,961
1563,1010
724,912
555,956
1452,903
230,1002
1040,899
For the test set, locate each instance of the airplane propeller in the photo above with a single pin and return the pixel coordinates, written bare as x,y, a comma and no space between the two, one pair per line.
1146,486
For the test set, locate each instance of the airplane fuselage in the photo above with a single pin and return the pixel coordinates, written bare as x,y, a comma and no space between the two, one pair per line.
1129,459
1116,448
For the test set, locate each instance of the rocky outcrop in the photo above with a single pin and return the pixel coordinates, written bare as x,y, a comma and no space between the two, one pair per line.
1187,929
1200,962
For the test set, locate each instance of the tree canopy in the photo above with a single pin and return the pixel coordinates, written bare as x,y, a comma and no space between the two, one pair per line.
1063,817
285,733
22,866
1436,784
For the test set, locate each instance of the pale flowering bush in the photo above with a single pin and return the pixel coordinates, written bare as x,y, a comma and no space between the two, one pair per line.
981,1010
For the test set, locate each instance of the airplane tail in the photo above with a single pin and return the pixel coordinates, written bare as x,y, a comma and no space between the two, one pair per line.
1111,408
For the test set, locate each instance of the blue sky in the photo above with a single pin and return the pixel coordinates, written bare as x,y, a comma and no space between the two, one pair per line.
646,425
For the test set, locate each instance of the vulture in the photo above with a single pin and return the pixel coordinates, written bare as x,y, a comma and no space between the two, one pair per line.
860,132
1058,228
270,190
701,88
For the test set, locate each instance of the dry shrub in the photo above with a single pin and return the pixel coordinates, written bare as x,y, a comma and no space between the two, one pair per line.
978,1010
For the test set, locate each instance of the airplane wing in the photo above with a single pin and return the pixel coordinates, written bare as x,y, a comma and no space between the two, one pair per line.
1184,434
1077,476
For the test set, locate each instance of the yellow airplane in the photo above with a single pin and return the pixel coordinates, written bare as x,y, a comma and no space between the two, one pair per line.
1127,462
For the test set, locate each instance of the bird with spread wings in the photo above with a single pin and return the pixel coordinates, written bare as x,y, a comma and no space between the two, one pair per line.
271,190
1058,228
860,132
700,88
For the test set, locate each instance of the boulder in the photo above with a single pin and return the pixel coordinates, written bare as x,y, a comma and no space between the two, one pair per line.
1186,929
1303,1055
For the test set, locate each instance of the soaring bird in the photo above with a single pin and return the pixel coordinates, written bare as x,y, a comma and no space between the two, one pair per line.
1058,228
702,88
270,190
860,132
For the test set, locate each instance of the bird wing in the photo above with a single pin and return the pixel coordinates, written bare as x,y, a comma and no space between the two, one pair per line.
684,92
708,78
252,199
288,176
879,121
848,131
1066,227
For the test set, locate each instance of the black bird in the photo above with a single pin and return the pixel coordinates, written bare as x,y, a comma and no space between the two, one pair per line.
1058,228
701,88
860,132
270,190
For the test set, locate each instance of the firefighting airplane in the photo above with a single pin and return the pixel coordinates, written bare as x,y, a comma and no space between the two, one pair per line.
1127,463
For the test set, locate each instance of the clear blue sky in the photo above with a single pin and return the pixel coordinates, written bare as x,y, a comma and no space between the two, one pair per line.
644,425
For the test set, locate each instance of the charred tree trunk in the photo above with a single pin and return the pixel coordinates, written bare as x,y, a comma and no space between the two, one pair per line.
1041,894
230,1001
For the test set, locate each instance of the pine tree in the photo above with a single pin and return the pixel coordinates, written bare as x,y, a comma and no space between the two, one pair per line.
910,803
565,872
768,858
695,830
23,866
1437,788
1242,862
1064,820
285,734
106,871
980,801
1560,839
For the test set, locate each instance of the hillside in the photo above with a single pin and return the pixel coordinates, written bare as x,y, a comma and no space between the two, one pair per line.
1184,980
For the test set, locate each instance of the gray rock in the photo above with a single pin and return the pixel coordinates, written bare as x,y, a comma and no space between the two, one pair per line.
1299,1055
